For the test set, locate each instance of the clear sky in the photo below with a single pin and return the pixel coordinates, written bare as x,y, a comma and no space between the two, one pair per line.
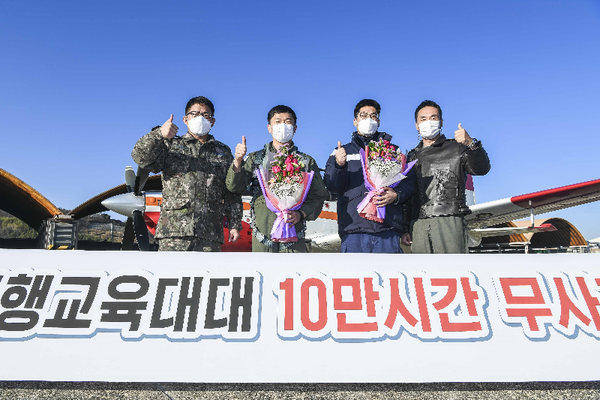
81,81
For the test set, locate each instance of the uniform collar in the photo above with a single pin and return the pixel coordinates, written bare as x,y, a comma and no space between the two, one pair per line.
189,138
362,141
441,139
270,148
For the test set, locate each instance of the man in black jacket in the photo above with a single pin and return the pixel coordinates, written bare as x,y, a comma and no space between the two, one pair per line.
438,208
344,177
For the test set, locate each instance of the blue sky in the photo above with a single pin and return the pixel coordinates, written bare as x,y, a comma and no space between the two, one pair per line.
80,82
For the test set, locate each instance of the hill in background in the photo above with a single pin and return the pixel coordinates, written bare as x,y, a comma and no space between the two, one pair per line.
96,228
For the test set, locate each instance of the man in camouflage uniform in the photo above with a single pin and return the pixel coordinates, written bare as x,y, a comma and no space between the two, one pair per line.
194,167
282,126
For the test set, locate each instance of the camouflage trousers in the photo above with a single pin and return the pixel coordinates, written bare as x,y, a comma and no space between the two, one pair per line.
187,244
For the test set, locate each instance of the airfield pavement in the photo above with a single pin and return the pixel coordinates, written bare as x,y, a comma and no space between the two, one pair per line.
186,391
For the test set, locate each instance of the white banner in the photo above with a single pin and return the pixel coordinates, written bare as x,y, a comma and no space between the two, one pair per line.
202,317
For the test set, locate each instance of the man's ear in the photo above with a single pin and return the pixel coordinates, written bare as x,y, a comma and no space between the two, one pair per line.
213,122
295,127
355,123
417,126
270,129
441,123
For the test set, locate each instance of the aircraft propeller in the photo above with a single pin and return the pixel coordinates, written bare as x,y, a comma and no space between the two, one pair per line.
135,227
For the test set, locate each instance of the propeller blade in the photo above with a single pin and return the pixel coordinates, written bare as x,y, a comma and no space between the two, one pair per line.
140,180
129,178
135,228
141,231
128,235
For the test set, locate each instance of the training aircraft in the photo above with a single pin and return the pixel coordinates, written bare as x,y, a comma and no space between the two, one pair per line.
143,210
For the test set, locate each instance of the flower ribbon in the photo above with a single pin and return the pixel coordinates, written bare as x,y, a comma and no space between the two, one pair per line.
365,207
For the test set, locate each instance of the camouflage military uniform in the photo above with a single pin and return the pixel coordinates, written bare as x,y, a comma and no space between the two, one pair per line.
194,195
263,217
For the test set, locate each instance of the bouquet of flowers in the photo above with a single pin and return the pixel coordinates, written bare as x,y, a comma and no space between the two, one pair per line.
383,166
285,186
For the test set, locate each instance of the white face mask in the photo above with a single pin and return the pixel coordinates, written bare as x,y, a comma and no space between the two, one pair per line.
429,129
199,126
367,127
283,133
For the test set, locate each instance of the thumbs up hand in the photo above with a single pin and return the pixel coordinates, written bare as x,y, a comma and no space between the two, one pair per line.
168,130
462,136
340,155
240,153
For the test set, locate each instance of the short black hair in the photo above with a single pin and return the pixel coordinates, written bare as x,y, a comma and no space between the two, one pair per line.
366,103
428,103
280,109
200,100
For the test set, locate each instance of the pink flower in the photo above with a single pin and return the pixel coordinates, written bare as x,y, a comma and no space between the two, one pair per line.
289,167
276,169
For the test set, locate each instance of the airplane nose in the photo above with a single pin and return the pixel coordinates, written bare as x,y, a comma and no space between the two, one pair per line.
125,204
